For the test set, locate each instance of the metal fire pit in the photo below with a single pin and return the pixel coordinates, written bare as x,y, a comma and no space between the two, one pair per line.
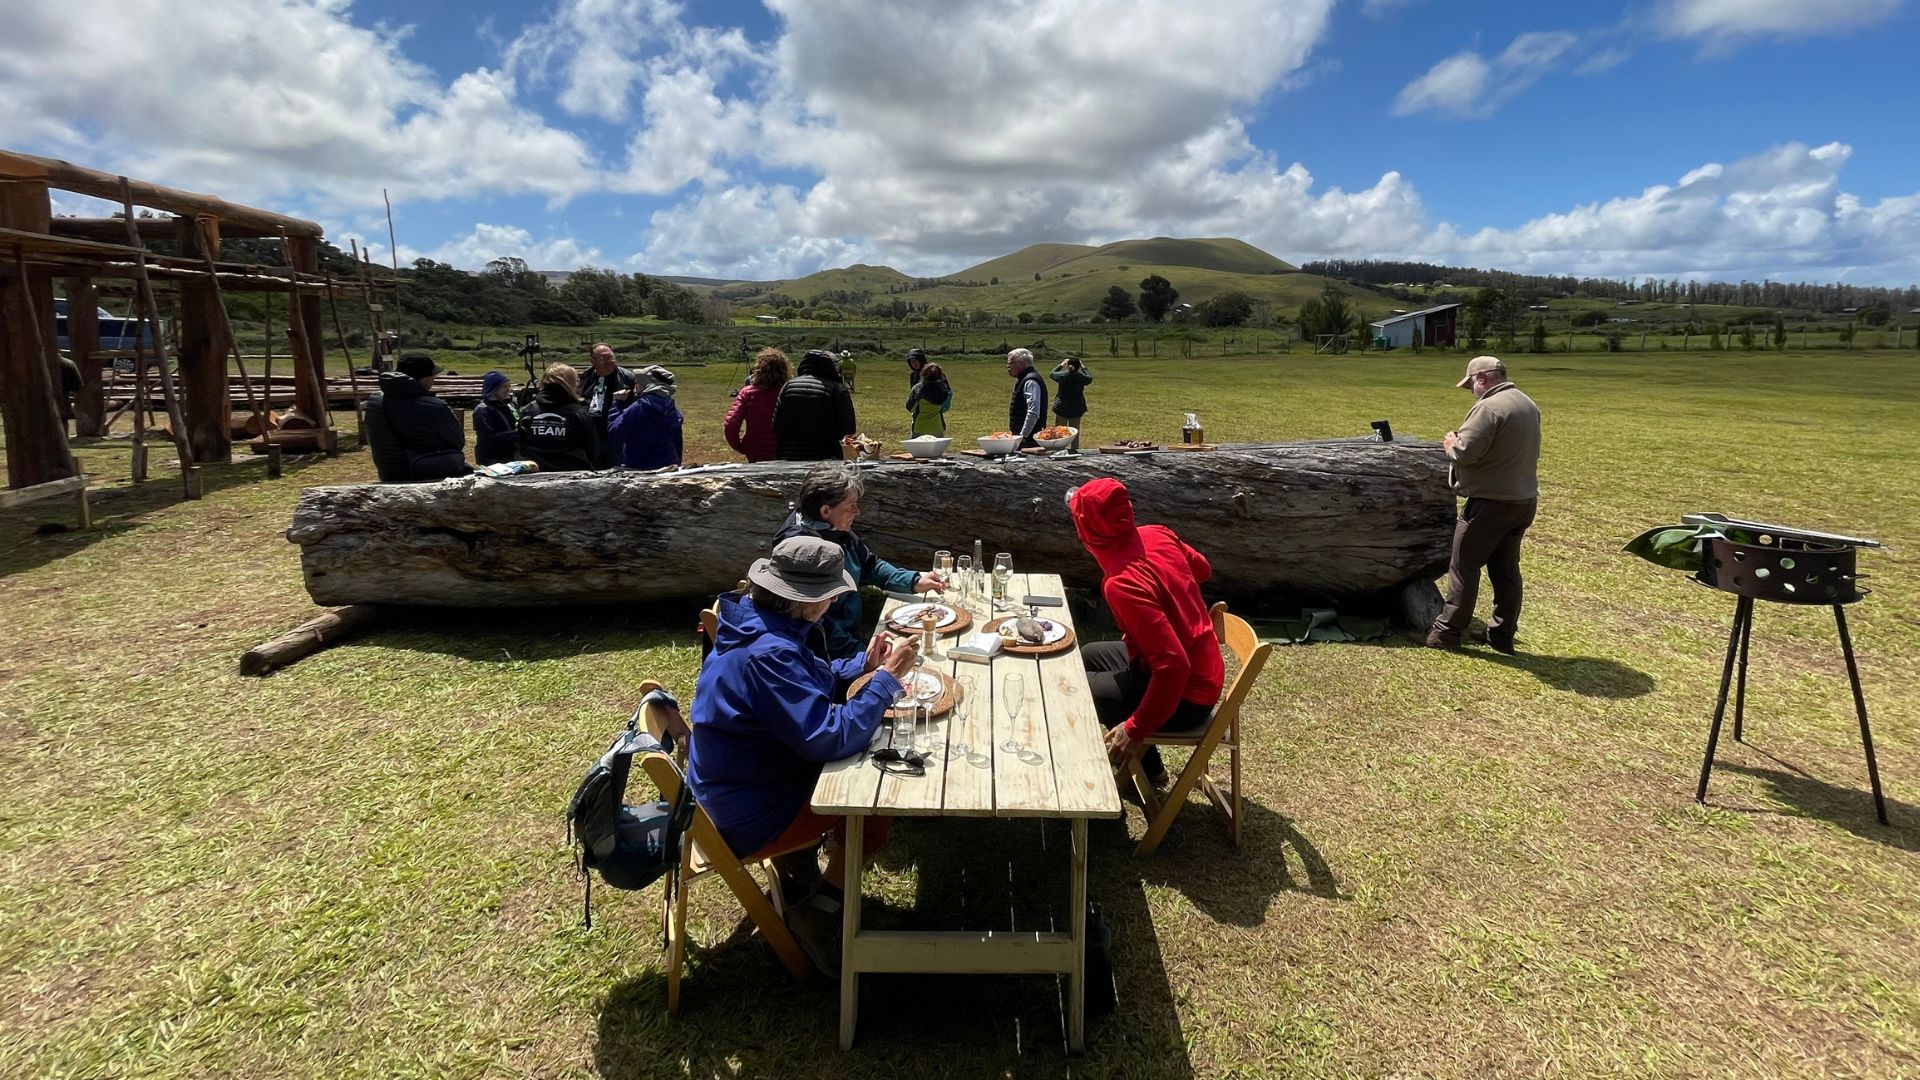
1782,565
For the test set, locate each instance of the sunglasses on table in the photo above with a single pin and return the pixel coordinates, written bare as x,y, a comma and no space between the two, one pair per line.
900,762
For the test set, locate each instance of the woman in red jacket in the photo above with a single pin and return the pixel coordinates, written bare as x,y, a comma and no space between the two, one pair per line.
753,406
1166,672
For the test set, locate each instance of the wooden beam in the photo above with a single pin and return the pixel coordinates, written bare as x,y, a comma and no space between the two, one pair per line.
311,636
113,231
36,437
304,327
23,496
83,344
203,349
51,172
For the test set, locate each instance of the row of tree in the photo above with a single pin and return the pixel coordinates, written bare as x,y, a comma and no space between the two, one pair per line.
1830,298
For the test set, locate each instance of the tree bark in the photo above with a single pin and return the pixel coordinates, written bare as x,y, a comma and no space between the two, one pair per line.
203,355
328,628
83,343
1326,521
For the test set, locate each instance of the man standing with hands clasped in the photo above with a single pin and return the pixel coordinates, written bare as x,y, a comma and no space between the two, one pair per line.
1496,456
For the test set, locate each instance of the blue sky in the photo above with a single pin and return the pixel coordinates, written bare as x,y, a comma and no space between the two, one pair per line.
1705,138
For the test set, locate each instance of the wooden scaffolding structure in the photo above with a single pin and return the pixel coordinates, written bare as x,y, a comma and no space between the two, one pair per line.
37,248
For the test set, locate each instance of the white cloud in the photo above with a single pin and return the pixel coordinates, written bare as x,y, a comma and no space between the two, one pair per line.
1603,61
488,242
263,99
1469,85
1725,20
1777,214
1383,9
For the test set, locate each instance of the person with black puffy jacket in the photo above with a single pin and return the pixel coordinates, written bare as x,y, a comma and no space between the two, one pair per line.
414,435
556,433
814,412
496,423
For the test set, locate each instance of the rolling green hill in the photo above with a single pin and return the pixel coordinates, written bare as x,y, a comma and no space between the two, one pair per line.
1073,278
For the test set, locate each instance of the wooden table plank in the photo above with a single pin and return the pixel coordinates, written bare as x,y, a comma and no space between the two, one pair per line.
1082,778
1023,781
969,778
903,794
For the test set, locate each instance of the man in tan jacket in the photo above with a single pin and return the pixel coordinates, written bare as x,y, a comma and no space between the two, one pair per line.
1495,454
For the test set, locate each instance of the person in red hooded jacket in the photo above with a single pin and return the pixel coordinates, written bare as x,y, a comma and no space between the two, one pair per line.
1166,672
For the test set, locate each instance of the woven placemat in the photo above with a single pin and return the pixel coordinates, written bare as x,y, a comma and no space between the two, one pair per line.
942,705
1018,648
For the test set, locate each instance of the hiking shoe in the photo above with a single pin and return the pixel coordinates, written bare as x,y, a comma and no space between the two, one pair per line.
816,925
1502,645
1438,640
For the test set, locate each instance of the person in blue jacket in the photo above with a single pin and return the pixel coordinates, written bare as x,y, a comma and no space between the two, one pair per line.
648,429
765,721
496,423
828,505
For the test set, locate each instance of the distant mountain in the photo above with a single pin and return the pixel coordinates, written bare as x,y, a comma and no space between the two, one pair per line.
1050,260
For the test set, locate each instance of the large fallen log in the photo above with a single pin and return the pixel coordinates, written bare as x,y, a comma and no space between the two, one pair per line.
1330,521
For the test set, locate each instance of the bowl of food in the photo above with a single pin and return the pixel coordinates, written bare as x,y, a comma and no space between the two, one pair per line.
1058,437
1000,442
927,446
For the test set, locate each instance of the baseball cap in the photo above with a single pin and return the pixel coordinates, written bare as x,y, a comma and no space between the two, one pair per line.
1480,365
803,568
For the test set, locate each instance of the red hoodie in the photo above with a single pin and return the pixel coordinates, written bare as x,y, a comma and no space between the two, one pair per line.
1153,586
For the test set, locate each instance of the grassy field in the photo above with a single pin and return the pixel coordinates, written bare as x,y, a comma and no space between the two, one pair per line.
1455,865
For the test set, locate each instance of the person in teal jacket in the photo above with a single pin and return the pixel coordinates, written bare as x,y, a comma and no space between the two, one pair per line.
829,503
929,401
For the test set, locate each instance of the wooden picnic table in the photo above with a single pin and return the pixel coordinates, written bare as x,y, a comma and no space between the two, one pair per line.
1060,772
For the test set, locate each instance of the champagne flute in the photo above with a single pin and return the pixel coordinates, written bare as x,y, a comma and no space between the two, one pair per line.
926,687
1013,689
965,578
962,709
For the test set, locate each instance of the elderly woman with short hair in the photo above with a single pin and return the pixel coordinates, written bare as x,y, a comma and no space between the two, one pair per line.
828,506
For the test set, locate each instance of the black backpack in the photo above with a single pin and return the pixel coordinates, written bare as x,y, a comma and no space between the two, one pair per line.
630,846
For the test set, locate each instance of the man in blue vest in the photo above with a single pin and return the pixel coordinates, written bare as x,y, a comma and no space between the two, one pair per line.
1028,409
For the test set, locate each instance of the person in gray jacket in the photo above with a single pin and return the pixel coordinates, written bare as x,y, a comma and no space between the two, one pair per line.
1496,457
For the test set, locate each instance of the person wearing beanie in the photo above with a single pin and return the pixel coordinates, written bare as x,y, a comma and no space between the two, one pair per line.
413,434
496,423
1166,672
647,431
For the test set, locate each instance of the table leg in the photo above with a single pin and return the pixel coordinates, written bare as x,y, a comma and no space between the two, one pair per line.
853,858
1077,981
1742,612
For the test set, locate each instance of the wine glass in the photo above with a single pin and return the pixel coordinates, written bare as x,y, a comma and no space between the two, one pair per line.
962,709
1002,574
926,687
1013,690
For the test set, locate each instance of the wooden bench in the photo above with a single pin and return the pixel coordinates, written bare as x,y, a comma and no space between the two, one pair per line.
52,489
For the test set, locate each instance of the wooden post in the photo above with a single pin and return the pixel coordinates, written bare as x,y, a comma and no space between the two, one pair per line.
353,373
303,254
150,312
203,349
83,343
36,436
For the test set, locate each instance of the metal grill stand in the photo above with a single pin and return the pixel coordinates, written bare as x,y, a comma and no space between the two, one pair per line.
1788,566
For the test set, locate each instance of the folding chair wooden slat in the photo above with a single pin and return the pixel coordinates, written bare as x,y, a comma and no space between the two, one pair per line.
1223,730
716,858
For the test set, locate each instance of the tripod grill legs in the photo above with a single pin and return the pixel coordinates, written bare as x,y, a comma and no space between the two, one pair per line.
1742,614
1860,707
1737,640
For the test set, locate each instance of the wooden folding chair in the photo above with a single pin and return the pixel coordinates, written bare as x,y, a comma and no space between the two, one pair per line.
707,854
710,622
1222,731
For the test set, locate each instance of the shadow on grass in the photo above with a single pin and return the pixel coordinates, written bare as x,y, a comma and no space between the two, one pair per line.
1236,886
1850,807
742,1014
499,635
45,532
1588,676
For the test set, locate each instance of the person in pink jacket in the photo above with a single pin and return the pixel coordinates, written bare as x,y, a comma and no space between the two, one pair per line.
753,406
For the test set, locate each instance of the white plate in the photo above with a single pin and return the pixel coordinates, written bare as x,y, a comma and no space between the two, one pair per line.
1052,632
909,614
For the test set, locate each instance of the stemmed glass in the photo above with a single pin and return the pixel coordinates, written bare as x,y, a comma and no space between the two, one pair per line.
962,709
1013,688
965,578
926,687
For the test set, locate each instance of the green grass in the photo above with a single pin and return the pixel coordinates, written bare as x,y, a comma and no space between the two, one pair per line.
1455,865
